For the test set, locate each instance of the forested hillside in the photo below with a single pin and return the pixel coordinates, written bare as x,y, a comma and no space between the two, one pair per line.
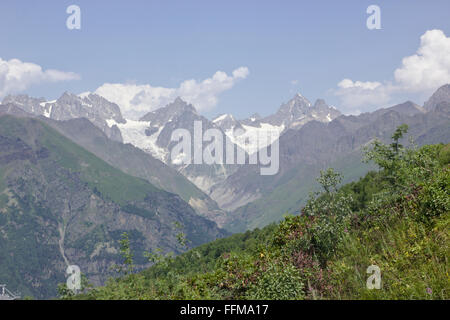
396,218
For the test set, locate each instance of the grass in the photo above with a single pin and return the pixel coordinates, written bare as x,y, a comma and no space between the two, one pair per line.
413,261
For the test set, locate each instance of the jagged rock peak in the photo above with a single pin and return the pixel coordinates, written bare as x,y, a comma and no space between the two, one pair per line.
175,108
441,95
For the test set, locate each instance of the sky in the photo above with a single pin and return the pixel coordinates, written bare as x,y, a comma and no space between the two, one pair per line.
237,57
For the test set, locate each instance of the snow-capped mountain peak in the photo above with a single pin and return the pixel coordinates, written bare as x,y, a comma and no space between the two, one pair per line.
226,122
299,110
223,117
70,106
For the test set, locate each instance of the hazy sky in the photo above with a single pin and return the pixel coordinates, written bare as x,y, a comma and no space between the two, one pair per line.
229,56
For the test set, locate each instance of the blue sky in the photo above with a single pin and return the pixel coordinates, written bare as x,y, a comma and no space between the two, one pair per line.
287,46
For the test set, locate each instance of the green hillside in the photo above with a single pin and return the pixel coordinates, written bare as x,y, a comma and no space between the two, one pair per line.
60,205
396,218
135,162
109,181
292,194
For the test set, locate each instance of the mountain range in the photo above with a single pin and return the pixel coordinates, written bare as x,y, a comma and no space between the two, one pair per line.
316,146
75,174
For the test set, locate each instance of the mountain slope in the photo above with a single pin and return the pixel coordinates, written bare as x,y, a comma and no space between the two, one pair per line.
138,163
441,95
60,204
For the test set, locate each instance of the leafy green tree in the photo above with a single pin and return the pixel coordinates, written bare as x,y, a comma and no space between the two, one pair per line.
398,134
181,236
127,256
331,211
388,157
329,180
65,293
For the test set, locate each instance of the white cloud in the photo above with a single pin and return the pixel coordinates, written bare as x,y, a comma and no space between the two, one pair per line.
421,73
16,76
241,72
429,68
136,100
357,94
347,84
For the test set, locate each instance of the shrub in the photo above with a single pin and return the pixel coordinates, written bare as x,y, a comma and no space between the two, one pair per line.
279,282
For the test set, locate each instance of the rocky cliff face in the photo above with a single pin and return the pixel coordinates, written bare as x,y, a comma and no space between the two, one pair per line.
441,95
